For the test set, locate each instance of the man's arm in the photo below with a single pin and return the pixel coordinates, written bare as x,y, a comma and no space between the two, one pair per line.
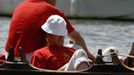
78,39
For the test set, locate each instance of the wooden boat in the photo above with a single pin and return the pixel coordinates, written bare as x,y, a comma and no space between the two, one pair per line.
98,68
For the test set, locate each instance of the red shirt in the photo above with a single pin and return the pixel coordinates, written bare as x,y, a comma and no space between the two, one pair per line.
51,57
25,27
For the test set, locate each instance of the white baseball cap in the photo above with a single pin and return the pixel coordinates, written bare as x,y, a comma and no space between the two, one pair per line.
56,25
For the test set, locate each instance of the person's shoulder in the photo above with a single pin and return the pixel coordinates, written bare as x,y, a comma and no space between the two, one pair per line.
41,49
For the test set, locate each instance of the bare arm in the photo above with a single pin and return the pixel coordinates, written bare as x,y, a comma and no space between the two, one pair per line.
78,39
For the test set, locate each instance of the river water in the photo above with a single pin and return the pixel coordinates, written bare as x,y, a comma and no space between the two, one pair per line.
98,34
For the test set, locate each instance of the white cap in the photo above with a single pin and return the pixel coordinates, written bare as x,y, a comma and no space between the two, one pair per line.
55,25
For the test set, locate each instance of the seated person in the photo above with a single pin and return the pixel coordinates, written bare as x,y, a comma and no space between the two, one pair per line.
53,56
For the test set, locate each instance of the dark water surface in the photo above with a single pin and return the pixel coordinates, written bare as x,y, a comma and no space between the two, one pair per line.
97,33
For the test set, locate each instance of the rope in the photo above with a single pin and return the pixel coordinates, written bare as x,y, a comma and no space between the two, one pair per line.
124,55
109,54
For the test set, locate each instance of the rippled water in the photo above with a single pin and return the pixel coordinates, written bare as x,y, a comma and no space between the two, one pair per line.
4,24
98,34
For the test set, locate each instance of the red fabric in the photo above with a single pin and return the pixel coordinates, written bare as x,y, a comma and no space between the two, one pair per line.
51,57
25,28
2,61
2,56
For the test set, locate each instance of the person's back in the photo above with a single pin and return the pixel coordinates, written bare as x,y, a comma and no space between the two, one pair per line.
25,25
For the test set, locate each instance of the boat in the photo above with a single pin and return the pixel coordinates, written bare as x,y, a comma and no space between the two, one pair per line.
116,67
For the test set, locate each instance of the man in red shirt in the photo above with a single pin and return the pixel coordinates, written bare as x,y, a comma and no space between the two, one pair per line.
54,55
25,25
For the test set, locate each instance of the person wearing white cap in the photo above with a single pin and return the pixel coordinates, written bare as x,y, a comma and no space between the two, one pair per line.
54,55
